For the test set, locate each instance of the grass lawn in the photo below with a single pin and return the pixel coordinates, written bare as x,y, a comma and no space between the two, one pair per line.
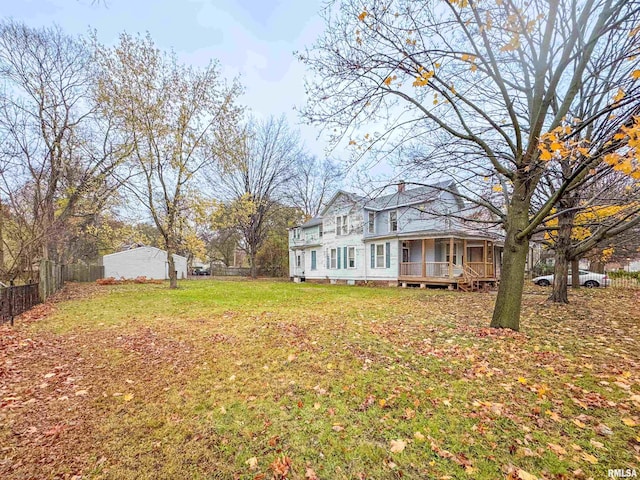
262,380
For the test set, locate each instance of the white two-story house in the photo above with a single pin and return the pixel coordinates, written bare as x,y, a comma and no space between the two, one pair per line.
411,237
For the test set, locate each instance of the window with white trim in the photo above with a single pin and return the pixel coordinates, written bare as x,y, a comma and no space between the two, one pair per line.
372,222
351,257
380,255
448,253
342,225
333,258
393,221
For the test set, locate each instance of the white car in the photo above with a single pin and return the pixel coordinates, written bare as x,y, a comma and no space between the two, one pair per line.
587,279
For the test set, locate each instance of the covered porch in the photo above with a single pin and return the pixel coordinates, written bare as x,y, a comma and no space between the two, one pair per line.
449,261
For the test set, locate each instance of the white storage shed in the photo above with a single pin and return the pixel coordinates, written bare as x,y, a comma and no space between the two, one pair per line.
147,262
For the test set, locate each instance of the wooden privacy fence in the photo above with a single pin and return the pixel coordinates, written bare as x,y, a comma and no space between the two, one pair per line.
51,278
78,272
15,300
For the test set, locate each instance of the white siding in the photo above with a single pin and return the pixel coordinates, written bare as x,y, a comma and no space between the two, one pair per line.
149,262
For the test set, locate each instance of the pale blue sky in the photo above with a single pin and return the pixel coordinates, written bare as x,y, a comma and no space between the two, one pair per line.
251,38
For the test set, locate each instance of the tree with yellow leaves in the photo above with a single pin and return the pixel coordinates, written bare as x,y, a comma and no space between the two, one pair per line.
172,115
477,90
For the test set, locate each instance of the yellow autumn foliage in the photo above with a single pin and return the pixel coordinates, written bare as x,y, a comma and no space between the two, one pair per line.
589,219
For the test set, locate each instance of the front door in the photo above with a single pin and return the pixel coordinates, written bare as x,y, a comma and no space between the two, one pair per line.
406,255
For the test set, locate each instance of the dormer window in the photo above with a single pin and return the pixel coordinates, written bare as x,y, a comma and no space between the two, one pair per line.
372,222
393,221
342,225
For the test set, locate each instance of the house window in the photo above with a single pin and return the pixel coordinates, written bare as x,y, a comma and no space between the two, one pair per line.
314,260
393,221
296,233
455,253
320,230
333,256
372,222
351,257
298,260
342,225
380,255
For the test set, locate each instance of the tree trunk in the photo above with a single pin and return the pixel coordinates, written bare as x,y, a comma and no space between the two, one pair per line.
575,273
560,273
173,275
597,266
252,263
2,272
566,220
506,313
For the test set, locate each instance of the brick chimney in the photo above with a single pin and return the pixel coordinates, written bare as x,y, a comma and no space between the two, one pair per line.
401,186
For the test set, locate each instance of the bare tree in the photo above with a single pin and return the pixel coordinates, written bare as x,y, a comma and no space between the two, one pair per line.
313,183
171,113
57,155
257,164
484,90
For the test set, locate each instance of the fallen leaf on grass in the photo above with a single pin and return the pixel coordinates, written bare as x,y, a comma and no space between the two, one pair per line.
253,463
524,475
589,458
337,428
81,393
603,430
310,474
553,415
281,467
578,423
397,446
596,444
418,436
629,422
557,449
128,397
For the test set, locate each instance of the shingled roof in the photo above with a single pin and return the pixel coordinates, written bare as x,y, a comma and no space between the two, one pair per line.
412,196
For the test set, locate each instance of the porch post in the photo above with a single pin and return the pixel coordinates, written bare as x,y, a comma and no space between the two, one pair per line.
464,252
450,257
424,258
484,259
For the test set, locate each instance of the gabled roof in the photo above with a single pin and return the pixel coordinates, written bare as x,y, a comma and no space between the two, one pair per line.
413,196
356,199
312,222
423,194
